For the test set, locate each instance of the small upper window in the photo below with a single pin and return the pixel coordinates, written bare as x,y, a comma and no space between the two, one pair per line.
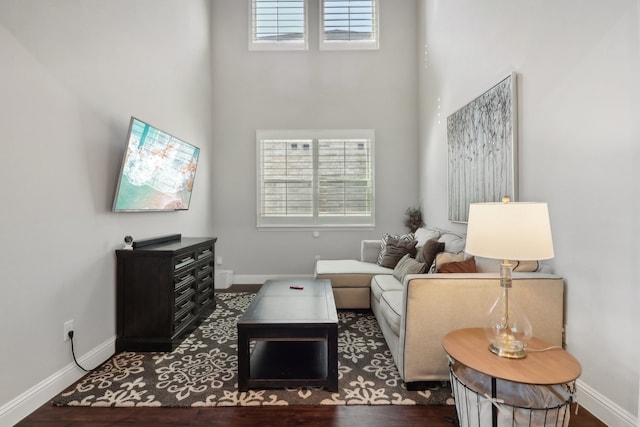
278,25
349,24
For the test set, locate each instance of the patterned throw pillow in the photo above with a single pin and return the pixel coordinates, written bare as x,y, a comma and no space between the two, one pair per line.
407,265
385,238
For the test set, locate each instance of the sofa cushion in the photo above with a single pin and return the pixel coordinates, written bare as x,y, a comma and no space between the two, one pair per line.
348,273
395,249
382,283
488,265
423,234
391,309
370,250
407,265
453,242
466,266
427,252
385,240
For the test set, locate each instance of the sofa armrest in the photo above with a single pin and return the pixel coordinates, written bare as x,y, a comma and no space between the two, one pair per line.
369,250
436,304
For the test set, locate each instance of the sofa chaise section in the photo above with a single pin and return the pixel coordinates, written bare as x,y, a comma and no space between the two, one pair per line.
350,280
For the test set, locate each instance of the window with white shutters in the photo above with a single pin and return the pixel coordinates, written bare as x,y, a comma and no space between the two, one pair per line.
278,25
315,178
349,24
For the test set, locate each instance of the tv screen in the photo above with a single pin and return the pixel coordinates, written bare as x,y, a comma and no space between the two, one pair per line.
157,171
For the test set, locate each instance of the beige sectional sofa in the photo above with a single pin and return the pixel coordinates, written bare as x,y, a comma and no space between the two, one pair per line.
415,315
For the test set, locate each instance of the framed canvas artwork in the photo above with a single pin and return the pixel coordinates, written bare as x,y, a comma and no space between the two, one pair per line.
481,139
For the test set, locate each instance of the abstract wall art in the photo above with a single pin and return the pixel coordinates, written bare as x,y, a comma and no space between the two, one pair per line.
481,138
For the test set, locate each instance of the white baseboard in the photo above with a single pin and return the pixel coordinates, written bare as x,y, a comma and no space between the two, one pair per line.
604,409
17,409
256,279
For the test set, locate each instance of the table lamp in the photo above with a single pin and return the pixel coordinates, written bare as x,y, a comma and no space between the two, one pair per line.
509,232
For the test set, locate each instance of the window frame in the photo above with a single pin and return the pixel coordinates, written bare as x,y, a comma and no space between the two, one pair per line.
314,221
277,45
370,44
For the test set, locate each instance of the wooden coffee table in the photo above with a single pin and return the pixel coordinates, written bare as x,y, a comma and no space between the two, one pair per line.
295,333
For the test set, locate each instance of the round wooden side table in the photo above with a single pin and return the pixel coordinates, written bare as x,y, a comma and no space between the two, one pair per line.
551,366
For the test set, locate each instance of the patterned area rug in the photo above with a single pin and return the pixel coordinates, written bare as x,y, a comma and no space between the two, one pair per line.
202,371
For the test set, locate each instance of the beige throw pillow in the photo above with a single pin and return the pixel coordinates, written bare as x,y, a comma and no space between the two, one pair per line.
407,265
525,266
445,257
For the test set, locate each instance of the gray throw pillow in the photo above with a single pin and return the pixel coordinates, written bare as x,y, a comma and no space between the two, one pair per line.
396,249
385,239
427,252
407,265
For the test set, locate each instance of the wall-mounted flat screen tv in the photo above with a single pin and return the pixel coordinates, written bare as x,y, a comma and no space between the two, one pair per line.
157,171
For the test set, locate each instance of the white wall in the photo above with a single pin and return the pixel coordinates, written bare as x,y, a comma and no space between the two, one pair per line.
309,90
71,75
578,64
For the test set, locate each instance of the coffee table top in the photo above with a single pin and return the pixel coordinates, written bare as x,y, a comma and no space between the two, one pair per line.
277,303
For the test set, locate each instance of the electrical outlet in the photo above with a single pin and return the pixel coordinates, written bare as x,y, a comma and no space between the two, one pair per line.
68,326
219,260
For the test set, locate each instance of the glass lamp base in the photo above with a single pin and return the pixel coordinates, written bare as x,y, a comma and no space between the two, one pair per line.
507,327
508,351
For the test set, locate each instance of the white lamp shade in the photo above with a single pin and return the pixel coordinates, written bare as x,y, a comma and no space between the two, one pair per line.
509,231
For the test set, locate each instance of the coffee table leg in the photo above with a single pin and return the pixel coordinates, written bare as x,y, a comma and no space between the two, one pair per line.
332,359
243,359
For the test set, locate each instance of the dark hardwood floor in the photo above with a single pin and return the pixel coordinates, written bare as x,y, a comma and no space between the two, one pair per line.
308,416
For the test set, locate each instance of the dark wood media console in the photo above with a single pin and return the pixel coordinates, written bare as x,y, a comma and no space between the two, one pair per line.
163,291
